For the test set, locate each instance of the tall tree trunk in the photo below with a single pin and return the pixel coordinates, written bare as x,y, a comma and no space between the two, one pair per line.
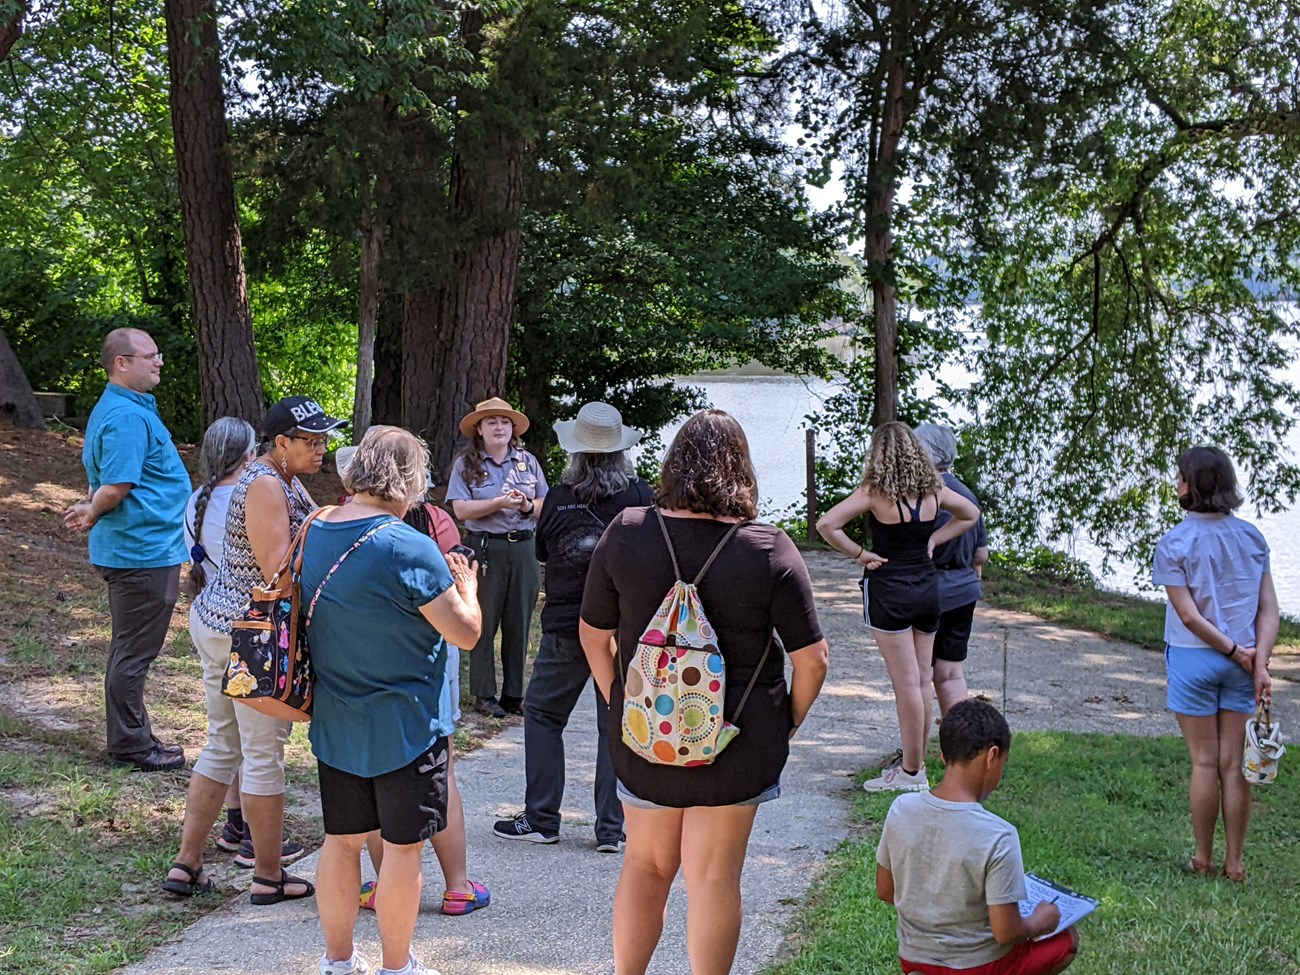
879,242
386,390
17,402
229,381
456,336
372,249
11,25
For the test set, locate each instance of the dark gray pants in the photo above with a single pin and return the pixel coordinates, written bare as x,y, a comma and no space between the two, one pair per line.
560,673
507,593
140,602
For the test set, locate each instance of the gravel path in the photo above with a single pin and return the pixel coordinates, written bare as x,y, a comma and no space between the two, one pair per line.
551,904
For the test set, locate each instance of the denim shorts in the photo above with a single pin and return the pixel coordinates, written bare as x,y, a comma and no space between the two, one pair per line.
627,797
1203,682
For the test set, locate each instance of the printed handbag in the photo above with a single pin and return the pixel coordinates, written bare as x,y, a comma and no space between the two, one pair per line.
1264,748
675,687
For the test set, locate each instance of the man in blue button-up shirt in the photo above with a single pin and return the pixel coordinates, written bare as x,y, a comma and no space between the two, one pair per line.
134,512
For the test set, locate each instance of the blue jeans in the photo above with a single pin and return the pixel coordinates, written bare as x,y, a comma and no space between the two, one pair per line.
559,675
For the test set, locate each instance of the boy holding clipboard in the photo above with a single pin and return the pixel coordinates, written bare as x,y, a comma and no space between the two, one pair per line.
953,870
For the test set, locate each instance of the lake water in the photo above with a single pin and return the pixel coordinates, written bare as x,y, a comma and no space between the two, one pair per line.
772,411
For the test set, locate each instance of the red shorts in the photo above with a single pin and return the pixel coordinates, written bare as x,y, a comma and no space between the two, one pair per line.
1026,958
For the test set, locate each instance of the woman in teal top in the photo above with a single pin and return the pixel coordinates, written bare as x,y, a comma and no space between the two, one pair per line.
386,601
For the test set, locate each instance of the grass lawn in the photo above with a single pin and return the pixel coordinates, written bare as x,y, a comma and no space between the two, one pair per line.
1112,614
1107,816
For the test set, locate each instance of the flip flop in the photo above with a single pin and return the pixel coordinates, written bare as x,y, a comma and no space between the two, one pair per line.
191,887
279,885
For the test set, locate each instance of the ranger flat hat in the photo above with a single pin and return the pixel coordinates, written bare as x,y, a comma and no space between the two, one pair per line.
495,406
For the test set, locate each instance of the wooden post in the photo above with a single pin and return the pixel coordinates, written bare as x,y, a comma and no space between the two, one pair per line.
811,460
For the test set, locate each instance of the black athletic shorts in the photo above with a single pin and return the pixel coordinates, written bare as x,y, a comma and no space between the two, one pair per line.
407,805
952,640
901,601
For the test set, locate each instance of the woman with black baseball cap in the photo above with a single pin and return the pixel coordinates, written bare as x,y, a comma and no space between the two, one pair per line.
267,507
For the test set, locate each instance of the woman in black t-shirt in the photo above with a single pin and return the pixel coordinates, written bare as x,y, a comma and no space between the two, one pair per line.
597,484
698,819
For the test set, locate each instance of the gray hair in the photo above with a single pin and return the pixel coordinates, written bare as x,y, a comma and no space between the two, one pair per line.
939,442
595,477
390,463
225,445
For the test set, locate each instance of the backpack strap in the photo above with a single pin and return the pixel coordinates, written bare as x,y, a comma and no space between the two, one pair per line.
754,678
677,572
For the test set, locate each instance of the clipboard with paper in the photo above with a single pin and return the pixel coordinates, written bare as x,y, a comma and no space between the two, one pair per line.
1072,905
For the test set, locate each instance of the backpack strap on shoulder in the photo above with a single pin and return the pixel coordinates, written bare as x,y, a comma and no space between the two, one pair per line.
709,562
754,677
677,572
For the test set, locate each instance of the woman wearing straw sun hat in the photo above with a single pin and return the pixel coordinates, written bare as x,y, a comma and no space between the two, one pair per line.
598,483
496,488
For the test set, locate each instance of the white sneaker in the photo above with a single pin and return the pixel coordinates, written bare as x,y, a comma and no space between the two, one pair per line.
356,965
413,967
894,779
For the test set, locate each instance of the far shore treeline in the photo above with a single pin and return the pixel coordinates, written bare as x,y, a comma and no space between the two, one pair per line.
403,207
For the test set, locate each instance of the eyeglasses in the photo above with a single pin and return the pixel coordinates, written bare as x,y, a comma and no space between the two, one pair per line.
155,356
313,443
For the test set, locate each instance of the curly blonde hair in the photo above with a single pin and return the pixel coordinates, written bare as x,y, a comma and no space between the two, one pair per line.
898,466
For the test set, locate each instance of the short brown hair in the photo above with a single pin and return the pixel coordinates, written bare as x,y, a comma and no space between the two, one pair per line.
1211,481
120,341
707,469
390,463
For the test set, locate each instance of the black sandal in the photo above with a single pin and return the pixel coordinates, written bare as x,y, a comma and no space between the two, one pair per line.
191,887
279,885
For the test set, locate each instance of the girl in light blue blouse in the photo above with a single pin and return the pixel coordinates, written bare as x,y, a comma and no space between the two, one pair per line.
1220,627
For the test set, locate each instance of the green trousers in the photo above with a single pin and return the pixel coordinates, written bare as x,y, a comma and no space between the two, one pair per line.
508,582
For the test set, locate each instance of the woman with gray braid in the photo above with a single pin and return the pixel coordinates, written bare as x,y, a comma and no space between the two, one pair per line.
228,446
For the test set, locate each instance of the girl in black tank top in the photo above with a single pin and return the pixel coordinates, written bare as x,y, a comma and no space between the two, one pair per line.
900,582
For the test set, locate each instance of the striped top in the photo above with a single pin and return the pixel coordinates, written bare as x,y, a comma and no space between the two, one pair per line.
225,597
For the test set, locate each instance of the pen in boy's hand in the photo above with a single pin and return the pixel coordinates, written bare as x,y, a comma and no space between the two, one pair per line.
1055,899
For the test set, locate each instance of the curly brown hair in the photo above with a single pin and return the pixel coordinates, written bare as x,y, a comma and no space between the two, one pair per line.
898,466
707,469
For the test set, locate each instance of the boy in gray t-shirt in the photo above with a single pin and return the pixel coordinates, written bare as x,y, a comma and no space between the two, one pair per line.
953,871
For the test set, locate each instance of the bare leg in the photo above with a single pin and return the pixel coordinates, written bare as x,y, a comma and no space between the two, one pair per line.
1202,738
900,654
397,903
265,818
449,844
924,680
232,790
338,875
1235,790
950,683
650,862
202,806
714,840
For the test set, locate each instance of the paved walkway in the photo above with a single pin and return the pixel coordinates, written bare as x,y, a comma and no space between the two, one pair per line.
552,904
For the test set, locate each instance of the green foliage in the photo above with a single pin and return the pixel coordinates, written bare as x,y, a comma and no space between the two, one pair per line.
1117,830
87,187
1044,565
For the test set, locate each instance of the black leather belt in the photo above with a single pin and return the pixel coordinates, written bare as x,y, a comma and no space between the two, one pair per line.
518,535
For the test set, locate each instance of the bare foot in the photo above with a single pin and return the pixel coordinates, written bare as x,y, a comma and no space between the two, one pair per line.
1196,867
